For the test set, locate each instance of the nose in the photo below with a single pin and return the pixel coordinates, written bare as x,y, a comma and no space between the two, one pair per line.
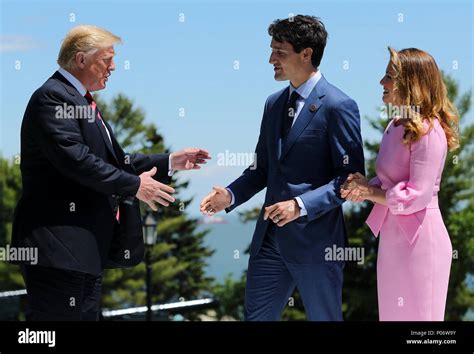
271,60
112,66
382,82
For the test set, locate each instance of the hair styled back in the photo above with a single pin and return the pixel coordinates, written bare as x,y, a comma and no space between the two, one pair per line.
301,32
418,83
86,39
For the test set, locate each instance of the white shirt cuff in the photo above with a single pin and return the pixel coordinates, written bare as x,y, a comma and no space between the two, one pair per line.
303,211
170,171
232,199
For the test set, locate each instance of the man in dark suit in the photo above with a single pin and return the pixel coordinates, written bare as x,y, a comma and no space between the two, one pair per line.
309,142
79,204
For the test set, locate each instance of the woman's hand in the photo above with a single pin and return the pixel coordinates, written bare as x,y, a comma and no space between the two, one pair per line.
356,188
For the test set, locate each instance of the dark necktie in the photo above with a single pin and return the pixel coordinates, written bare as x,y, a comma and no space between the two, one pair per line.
289,115
92,103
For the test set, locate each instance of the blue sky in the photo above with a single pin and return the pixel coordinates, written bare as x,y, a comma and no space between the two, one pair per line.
189,64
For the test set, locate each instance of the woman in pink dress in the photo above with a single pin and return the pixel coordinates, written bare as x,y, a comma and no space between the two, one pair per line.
414,256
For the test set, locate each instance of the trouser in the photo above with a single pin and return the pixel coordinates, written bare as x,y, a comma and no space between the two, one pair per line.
61,295
271,281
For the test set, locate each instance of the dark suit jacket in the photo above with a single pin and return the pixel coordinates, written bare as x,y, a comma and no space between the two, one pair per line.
73,179
323,147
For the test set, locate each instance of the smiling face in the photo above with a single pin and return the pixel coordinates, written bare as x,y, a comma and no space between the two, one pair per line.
388,86
97,67
289,65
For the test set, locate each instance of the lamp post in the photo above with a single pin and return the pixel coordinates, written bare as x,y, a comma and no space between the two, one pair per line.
150,235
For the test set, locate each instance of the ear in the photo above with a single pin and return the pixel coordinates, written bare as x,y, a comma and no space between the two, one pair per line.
80,60
307,54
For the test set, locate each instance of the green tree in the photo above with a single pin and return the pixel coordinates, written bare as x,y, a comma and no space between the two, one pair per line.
456,200
231,298
179,258
10,190
456,204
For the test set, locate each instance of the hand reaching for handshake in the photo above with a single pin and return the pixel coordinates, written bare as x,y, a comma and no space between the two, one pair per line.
216,201
279,213
152,191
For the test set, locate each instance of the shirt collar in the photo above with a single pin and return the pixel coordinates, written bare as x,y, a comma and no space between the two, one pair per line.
304,90
73,80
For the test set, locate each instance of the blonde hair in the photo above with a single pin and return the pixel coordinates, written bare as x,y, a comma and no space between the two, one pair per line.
86,39
419,83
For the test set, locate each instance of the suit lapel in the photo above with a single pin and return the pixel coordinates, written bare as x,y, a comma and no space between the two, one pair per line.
83,101
119,153
104,135
276,112
309,110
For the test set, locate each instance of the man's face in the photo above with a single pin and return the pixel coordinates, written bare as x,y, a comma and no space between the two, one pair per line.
286,62
98,67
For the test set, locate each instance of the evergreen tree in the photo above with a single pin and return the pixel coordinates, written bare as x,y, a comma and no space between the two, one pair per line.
10,190
179,257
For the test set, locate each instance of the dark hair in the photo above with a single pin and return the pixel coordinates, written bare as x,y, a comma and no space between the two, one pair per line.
301,32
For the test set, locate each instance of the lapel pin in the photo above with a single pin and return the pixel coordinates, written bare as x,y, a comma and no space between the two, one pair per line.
312,108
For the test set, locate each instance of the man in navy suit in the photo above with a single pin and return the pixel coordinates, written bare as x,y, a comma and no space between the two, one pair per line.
79,205
309,142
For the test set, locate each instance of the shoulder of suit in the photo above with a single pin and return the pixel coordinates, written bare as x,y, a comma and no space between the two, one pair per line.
335,96
51,88
275,96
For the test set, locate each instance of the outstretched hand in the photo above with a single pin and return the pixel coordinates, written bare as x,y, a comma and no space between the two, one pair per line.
216,201
189,159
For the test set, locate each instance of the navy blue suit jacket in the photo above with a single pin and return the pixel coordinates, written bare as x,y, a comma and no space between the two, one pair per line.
322,148
72,176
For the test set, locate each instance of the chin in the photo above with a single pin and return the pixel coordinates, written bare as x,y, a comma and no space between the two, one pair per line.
386,100
98,87
280,78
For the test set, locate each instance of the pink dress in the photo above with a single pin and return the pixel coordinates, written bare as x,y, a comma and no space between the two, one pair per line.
414,256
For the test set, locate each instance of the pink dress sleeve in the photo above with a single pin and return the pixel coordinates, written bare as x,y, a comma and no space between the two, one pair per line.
426,159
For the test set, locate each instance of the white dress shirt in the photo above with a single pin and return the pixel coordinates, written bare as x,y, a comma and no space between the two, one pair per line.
304,90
